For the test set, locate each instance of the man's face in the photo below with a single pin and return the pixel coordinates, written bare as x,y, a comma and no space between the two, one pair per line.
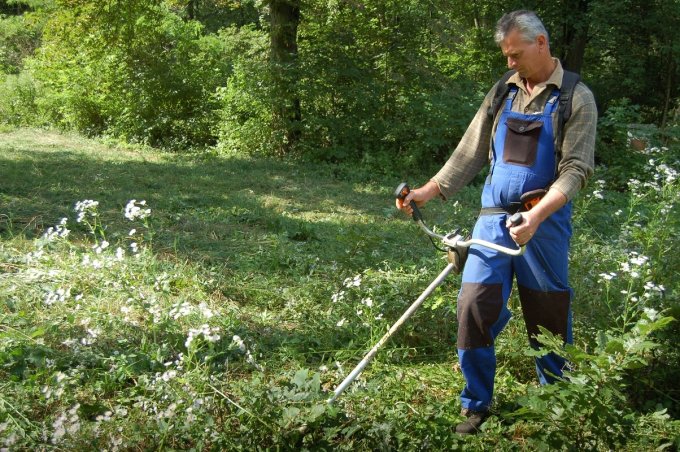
522,56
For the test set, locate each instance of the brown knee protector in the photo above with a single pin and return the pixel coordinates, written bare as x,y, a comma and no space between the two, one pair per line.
547,309
479,306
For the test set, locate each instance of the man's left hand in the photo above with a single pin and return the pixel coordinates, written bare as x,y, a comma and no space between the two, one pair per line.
525,231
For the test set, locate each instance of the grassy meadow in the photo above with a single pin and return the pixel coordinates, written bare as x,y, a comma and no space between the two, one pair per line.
160,301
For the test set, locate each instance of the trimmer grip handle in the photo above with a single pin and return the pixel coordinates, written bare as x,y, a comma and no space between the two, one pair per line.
400,193
516,219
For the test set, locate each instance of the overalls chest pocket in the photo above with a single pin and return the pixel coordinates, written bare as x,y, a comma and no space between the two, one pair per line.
521,141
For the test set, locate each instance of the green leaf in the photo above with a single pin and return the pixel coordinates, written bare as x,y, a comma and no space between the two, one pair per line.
316,411
290,414
614,346
300,378
38,332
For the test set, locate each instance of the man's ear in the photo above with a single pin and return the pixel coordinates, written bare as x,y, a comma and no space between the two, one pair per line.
542,42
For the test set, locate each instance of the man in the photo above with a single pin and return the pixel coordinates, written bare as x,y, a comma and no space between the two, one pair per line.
520,143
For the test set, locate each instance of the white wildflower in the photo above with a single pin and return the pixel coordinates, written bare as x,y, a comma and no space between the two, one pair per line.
249,356
352,282
69,342
181,310
210,334
86,207
170,412
135,209
651,313
638,259
239,343
57,232
92,335
57,296
650,286
104,417
68,422
169,375
99,247
205,311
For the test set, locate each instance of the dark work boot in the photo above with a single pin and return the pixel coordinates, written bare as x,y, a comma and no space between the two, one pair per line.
472,424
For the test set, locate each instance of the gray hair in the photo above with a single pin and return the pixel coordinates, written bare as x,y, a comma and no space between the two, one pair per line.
526,22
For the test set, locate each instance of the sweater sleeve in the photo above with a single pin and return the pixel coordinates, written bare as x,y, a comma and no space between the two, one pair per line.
578,145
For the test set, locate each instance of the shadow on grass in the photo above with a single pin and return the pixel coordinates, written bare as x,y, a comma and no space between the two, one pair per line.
198,204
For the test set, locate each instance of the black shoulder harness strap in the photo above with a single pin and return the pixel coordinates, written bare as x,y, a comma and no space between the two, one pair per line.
502,90
569,82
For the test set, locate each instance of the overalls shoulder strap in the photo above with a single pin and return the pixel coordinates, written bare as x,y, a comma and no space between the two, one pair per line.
569,82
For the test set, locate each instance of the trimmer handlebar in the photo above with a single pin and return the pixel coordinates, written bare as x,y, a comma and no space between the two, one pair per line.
454,239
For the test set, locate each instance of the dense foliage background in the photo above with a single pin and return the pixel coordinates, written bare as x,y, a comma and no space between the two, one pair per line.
373,81
198,239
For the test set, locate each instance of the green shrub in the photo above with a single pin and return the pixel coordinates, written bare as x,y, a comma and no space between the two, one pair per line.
368,92
626,143
18,104
132,70
19,37
590,407
245,117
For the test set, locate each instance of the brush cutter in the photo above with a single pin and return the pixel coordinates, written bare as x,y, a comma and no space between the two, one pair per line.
456,247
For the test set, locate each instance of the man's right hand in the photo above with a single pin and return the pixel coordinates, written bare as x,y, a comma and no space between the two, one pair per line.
419,195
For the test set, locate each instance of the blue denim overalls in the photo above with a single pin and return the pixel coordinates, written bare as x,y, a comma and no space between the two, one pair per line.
523,159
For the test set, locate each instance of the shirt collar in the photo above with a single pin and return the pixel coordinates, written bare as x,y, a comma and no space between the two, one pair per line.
554,79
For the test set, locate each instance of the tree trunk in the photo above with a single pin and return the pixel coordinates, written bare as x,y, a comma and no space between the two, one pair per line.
576,37
191,9
670,70
285,18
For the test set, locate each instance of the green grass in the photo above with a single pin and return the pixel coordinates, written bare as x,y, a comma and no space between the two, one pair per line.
254,250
